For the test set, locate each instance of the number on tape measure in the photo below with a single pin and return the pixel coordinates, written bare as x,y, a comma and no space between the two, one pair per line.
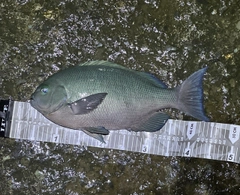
191,130
55,138
144,148
230,156
187,152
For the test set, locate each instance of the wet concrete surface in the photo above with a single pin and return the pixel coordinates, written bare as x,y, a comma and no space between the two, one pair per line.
168,39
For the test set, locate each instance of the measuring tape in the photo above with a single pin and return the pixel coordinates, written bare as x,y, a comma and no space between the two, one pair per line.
208,140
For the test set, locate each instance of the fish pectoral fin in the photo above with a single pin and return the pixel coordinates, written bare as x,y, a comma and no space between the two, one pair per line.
154,123
97,136
87,104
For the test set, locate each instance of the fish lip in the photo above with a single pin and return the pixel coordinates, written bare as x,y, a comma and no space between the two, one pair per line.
31,99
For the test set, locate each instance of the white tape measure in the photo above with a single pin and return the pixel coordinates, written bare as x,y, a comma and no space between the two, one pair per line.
177,138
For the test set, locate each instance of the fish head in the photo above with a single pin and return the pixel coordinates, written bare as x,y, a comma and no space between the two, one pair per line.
48,98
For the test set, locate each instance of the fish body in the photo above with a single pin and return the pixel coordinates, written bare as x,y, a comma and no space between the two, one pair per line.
99,96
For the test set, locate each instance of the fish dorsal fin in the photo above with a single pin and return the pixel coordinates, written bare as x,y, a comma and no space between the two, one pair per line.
102,63
153,79
147,76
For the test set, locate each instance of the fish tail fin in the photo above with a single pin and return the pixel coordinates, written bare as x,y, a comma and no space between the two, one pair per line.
190,95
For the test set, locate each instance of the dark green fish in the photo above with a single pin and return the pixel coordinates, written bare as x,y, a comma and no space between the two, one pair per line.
99,96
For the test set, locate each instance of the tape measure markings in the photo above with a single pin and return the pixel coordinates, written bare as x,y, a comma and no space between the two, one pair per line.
191,130
184,138
231,155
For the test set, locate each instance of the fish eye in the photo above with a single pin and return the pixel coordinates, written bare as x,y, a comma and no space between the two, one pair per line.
44,90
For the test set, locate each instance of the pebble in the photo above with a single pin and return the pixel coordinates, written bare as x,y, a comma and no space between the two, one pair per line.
238,25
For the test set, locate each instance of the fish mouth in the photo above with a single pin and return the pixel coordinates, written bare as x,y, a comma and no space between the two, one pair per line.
31,99
32,102
35,105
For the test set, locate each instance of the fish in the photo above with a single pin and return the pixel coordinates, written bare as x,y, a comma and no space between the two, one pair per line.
99,96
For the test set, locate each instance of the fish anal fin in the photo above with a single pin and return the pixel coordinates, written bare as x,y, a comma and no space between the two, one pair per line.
154,123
